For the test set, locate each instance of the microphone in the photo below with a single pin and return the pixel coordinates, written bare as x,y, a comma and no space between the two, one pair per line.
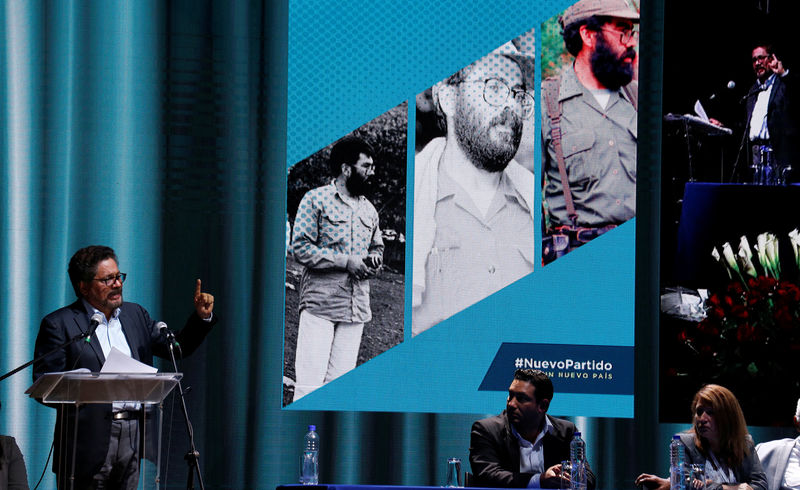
730,86
753,91
162,327
96,320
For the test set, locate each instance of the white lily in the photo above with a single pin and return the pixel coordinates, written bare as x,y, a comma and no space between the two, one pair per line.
761,248
794,240
772,255
718,258
746,257
746,263
730,258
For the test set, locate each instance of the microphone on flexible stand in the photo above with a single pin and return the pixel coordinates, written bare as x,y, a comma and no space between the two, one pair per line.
730,86
753,91
96,320
193,456
162,327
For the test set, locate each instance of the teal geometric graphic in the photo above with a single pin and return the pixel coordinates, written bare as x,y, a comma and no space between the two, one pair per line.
351,61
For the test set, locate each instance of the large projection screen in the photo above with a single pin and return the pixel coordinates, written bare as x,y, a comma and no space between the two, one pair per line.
573,318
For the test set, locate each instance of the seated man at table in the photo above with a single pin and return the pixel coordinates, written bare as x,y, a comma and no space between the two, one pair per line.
781,459
523,446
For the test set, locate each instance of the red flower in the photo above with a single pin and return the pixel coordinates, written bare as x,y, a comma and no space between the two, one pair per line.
783,318
716,312
735,289
728,301
739,311
746,333
763,283
708,327
788,292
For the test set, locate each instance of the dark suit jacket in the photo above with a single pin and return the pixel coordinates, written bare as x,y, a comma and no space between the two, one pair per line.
781,119
94,420
494,452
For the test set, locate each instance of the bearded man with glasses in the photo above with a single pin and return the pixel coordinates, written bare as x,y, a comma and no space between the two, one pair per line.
772,127
338,241
473,203
108,442
589,130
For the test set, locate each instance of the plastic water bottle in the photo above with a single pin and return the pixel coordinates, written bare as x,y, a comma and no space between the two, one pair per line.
677,453
577,457
309,460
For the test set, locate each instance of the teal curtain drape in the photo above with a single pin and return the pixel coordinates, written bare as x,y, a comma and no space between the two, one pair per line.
139,125
158,128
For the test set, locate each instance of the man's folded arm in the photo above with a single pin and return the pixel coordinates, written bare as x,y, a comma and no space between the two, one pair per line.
485,462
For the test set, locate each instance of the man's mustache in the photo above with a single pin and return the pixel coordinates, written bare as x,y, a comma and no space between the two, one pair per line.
505,117
629,53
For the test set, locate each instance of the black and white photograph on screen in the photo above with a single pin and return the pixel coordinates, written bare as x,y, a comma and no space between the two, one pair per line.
345,254
473,183
590,92
730,263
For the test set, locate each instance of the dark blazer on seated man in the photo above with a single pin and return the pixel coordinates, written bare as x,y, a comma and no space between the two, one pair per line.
494,452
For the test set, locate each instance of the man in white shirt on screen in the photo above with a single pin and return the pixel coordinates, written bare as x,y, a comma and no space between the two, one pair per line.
523,446
771,120
339,243
781,459
473,203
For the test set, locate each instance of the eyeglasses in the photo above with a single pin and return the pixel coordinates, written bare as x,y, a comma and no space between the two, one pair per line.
496,92
625,35
111,280
367,167
760,57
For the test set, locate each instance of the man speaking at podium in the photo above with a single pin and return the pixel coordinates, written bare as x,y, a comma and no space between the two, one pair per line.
107,453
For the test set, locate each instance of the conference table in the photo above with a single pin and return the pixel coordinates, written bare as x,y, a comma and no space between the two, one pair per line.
332,486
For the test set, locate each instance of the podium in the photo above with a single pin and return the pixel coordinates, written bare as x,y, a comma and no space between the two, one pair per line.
81,388
695,128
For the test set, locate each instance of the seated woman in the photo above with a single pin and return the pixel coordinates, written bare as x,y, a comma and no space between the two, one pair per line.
718,440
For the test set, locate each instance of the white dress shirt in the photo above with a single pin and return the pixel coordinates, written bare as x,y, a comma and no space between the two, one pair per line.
109,333
758,120
531,455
